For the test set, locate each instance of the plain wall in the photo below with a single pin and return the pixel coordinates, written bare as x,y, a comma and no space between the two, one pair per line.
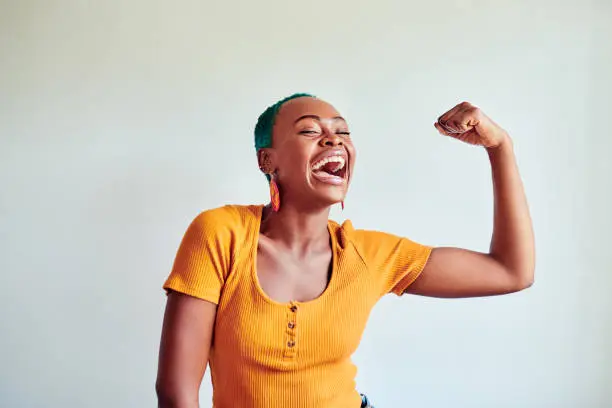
121,120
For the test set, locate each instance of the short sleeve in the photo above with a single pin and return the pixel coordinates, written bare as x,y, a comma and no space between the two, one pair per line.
396,262
203,260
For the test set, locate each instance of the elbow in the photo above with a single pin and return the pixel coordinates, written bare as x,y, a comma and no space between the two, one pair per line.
165,398
526,284
172,397
524,280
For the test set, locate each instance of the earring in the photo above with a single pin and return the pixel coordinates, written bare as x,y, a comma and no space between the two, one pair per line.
342,204
274,194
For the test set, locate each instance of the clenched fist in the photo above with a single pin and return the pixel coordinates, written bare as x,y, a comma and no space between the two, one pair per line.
469,124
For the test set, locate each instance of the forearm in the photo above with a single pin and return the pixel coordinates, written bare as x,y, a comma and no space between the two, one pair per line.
512,243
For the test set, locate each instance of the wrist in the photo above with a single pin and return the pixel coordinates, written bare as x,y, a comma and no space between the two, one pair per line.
505,144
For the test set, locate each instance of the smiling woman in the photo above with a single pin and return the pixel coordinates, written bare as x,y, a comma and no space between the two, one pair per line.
276,297
320,144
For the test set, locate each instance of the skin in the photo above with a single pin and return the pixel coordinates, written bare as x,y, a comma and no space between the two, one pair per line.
294,252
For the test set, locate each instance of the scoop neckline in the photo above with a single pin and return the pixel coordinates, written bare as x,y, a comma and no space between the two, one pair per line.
255,277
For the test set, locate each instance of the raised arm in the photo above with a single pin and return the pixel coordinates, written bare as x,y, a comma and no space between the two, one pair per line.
509,265
183,354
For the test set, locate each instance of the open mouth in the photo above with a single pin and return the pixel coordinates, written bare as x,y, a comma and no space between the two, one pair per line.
331,169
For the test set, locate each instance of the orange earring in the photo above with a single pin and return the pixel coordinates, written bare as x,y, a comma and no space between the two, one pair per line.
274,194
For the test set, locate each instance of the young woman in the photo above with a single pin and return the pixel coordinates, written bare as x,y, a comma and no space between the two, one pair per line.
276,297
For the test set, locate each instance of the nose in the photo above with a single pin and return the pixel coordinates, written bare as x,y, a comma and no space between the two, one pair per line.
331,140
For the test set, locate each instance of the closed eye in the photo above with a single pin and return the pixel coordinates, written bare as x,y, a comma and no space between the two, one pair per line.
309,132
344,133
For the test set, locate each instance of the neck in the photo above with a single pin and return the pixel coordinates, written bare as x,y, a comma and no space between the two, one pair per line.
296,227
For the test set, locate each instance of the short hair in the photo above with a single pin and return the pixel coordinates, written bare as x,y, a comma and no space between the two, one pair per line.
265,122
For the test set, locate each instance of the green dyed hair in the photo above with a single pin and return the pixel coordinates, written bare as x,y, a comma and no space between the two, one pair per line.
265,123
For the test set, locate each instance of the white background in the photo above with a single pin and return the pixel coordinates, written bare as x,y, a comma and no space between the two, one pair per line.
122,120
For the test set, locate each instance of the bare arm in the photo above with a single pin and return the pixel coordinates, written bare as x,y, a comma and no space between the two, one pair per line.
183,354
509,265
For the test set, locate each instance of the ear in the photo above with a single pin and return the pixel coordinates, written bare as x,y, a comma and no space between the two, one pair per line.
265,159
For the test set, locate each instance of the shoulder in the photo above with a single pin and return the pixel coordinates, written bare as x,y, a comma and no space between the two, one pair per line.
373,245
226,217
397,261
361,237
226,221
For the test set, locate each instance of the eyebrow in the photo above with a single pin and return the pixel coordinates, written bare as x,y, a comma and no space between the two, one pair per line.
317,118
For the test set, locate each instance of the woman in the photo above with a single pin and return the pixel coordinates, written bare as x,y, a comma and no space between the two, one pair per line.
276,298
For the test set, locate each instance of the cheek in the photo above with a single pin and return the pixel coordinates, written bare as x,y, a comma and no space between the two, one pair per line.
352,154
295,164
295,158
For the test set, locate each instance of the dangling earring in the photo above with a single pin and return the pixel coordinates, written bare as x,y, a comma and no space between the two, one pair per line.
274,194
342,204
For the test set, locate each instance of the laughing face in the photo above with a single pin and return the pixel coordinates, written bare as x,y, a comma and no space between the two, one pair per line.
312,155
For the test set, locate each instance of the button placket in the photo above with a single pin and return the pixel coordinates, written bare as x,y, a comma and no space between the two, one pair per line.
291,330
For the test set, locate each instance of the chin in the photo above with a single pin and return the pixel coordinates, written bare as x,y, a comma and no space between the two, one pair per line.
329,200
328,193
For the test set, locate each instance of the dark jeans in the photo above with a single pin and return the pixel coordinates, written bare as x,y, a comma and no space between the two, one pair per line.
365,402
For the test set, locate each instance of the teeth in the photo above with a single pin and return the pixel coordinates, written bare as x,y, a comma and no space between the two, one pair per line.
330,159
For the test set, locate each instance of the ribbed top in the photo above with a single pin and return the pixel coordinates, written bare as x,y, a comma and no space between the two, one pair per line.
297,354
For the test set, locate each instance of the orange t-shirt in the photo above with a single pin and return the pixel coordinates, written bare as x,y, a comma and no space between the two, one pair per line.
297,354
